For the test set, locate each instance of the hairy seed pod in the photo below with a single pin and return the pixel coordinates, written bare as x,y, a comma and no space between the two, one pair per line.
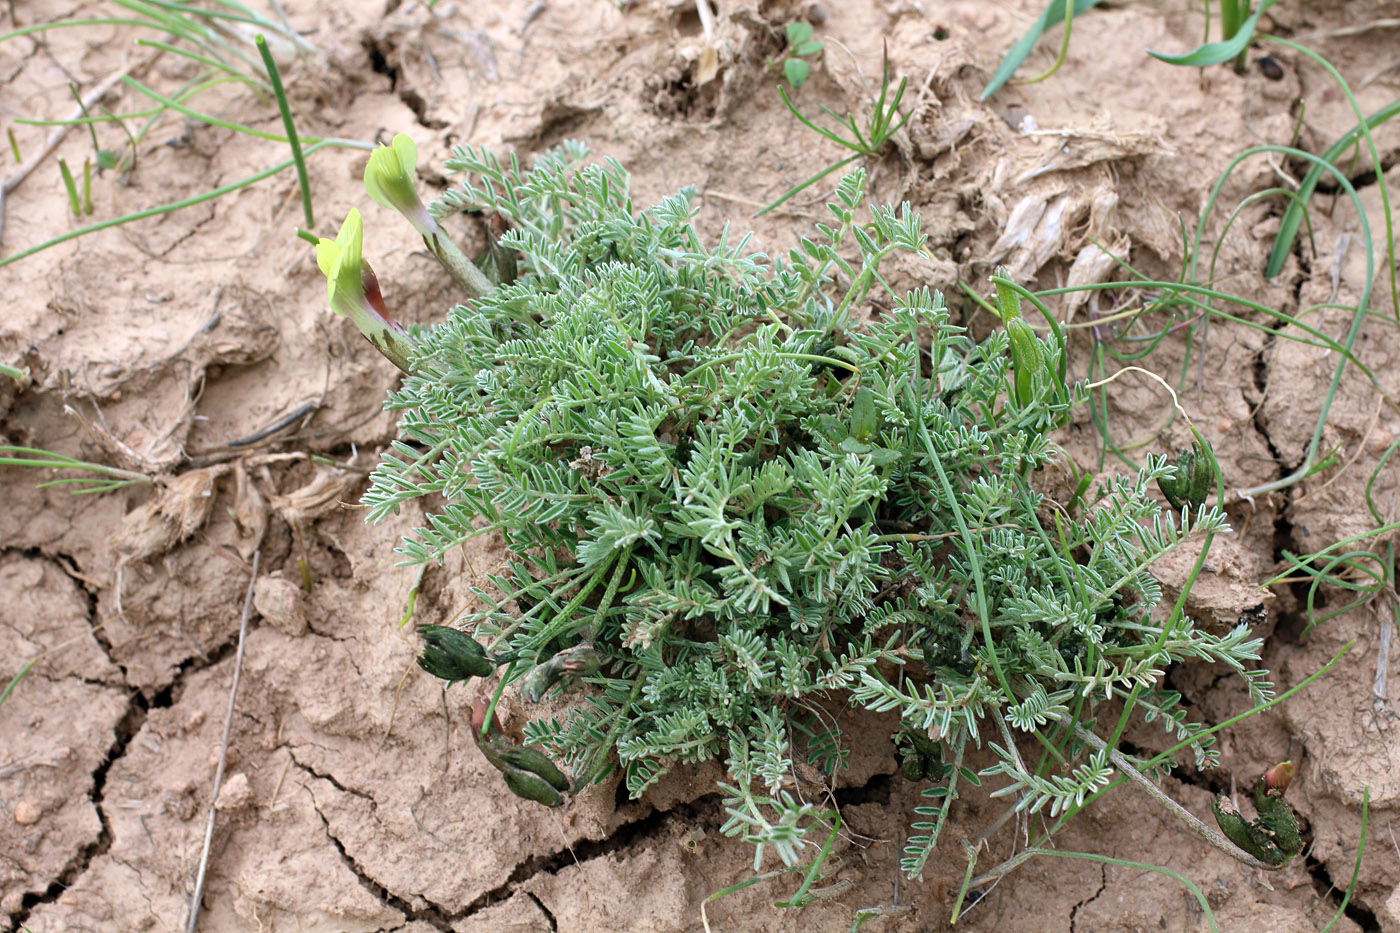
1273,837
1196,475
535,762
1276,817
1246,834
532,787
921,758
1026,360
452,654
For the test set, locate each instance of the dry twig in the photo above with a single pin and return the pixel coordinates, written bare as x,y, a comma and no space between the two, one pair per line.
223,751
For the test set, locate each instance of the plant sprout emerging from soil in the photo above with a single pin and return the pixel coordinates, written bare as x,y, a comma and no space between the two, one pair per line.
733,500
1237,26
885,121
800,45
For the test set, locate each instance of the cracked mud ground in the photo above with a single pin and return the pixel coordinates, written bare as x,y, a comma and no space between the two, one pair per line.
352,800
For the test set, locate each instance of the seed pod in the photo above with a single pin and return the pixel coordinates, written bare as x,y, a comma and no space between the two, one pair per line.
921,758
1026,360
911,768
1273,837
865,420
535,762
1243,833
532,787
452,654
1196,475
1276,817
580,660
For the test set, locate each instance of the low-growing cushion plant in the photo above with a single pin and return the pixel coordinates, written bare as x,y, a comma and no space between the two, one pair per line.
737,493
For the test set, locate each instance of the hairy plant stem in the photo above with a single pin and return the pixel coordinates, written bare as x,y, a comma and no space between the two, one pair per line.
458,264
1210,835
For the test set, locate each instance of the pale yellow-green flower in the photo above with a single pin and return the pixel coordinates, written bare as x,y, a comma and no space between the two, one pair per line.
389,181
353,291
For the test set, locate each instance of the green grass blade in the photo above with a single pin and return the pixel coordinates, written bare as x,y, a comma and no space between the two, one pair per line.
1231,17
177,205
800,897
1214,53
274,77
1064,47
202,59
858,145
188,12
70,186
94,21
1292,217
1356,871
808,183
175,105
1054,14
1124,863
14,681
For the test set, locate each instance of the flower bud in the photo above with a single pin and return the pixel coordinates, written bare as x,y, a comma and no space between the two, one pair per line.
389,181
354,293
580,660
1196,475
1277,778
1027,358
452,654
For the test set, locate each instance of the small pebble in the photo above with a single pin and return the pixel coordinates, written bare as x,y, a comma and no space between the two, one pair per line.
282,603
235,793
27,812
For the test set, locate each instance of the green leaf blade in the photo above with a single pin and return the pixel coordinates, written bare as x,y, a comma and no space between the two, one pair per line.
1216,53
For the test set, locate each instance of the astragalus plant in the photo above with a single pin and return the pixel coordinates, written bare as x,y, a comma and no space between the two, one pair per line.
737,493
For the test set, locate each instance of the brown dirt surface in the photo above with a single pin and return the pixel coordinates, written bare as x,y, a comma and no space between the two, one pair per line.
196,348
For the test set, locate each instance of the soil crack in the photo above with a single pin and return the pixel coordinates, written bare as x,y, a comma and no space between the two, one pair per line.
548,914
139,705
586,850
127,728
1355,912
332,780
1103,883
431,914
